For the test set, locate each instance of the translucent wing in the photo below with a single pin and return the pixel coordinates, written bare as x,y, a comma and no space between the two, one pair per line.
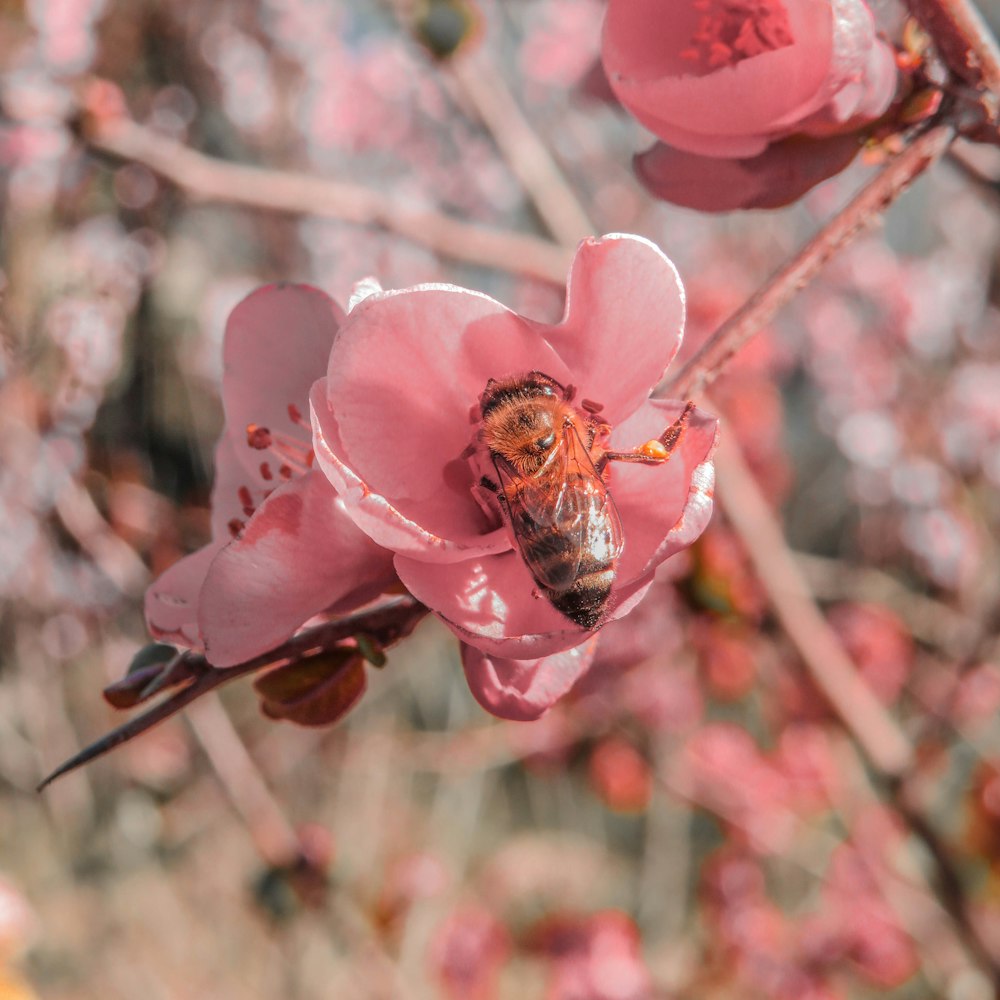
563,518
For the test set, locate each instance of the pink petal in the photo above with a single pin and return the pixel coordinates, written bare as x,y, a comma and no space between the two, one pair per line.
300,554
624,321
405,372
663,508
171,604
641,50
780,175
276,345
383,521
523,690
490,603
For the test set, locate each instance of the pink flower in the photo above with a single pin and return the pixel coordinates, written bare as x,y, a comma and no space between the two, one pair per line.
283,548
397,431
756,101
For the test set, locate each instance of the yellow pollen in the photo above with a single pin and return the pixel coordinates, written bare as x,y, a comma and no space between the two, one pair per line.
654,449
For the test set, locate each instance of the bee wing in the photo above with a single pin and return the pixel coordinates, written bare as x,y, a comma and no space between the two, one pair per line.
561,515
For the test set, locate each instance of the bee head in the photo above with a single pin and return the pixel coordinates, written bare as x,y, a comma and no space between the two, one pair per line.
523,419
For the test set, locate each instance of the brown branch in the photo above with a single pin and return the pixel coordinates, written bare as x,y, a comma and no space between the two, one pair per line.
387,623
206,178
965,43
708,361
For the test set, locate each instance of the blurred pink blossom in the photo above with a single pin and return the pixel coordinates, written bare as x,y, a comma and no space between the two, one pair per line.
755,101
283,548
395,431
597,957
468,952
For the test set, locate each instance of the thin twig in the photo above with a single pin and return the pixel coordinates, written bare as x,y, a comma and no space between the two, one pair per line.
206,178
708,361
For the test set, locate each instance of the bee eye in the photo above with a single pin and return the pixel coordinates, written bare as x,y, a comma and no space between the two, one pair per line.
544,443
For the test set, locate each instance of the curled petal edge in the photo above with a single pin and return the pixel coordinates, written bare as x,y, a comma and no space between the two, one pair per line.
377,517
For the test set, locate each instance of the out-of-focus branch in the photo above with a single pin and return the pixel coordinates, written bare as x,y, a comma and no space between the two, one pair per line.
830,668
270,829
867,206
119,561
207,178
522,148
886,747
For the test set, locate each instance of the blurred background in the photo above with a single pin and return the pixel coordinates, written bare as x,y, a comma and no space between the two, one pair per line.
695,822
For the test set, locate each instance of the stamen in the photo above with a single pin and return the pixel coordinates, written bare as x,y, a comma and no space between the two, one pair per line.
293,454
245,498
236,526
730,31
258,437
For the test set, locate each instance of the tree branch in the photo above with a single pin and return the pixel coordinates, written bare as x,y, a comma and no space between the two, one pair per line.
708,361
387,623
206,178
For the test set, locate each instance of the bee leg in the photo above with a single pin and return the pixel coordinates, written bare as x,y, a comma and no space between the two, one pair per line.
595,427
488,484
653,452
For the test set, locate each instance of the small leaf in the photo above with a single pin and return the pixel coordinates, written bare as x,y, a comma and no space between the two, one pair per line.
371,649
154,653
152,669
316,691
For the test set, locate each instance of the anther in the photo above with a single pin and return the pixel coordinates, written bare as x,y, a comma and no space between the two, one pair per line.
295,414
245,498
258,437
654,449
265,471
285,472
236,526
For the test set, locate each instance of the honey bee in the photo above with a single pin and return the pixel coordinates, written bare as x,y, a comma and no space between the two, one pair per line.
552,468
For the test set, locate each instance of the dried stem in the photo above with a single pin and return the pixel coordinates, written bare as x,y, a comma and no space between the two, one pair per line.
707,363
209,179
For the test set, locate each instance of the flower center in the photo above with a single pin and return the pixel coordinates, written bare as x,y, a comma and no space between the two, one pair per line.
730,31
292,456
